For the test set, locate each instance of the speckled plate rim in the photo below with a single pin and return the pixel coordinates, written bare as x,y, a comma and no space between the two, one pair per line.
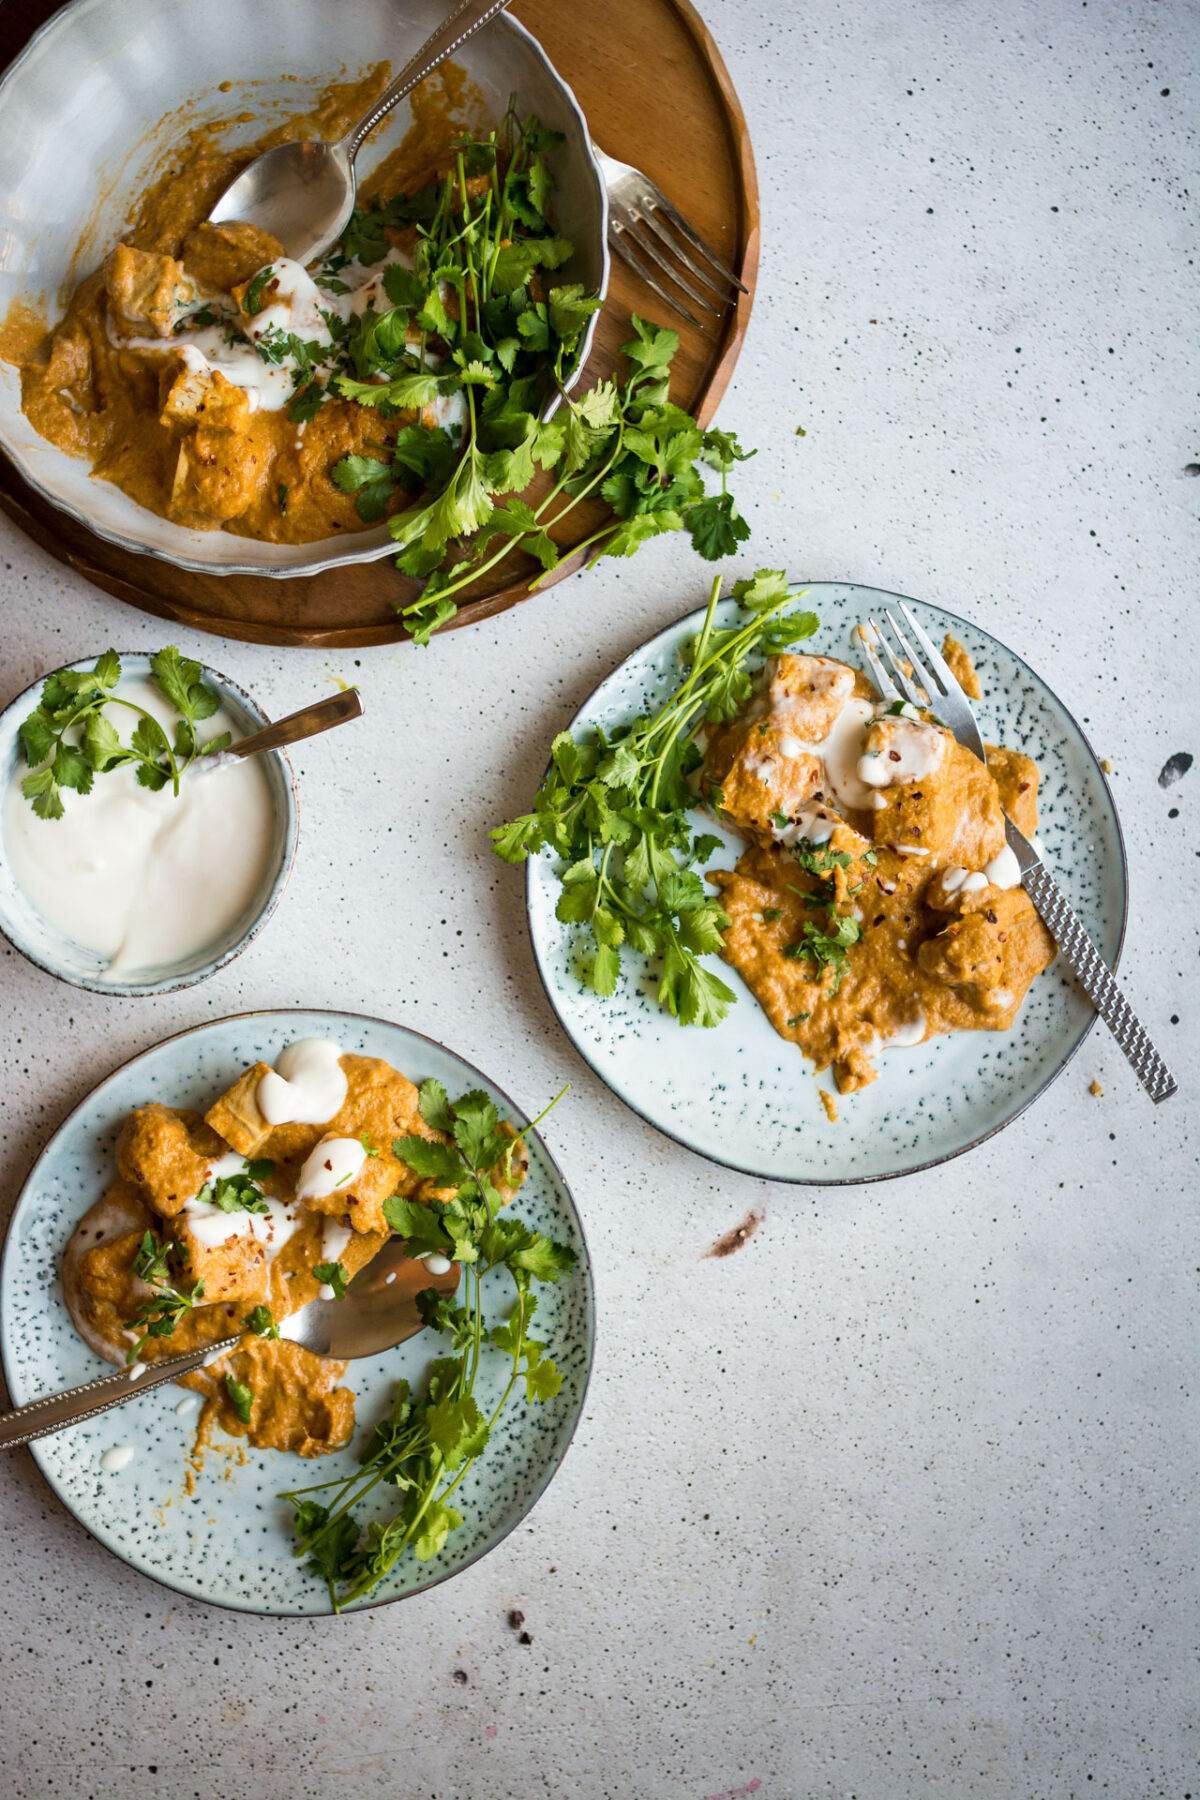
171,984
584,1271
951,620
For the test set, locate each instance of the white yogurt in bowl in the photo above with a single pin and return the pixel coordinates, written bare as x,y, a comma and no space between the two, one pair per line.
135,891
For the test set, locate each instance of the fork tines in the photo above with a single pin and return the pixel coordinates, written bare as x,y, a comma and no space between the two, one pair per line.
655,239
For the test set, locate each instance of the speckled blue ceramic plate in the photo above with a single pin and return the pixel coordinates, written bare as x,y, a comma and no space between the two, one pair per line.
739,1094
231,1542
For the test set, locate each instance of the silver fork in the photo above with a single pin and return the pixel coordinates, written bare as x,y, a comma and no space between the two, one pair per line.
639,214
932,684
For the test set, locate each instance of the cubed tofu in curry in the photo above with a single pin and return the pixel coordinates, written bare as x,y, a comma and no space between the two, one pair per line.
380,1106
239,1268
147,293
222,256
806,694
764,781
989,955
168,1155
951,812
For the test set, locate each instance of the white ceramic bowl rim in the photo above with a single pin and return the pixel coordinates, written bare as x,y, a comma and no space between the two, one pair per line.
27,700
330,553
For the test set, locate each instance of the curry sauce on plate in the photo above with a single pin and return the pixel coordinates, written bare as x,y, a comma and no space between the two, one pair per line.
876,904
243,1213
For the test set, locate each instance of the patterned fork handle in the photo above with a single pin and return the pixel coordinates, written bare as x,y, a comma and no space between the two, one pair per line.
40,1417
1097,982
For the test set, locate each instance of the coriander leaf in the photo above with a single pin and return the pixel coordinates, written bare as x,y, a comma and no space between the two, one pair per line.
403,287
417,1223
72,768
101,745
570,309
716,527
252,298
37,738
261,1321
651,350
437,1523
765,588
515,262
331,1546
241,1398
42,791
433,1161
333,1275
544,1259
434,1106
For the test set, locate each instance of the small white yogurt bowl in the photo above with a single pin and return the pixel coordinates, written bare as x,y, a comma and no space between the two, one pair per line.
48,947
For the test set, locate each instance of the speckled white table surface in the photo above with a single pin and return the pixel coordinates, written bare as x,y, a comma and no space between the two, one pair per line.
900,1499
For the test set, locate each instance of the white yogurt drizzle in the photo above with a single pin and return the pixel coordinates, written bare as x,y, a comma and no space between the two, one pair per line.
905,750
292,302
332,1165
211,1226
334,1239
904,1037
1003,871
308,1086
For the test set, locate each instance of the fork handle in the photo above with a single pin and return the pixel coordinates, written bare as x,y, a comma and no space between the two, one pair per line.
1098,982
40,1417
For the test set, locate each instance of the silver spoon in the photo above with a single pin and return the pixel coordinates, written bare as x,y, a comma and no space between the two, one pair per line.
303,194
339,709
379,1311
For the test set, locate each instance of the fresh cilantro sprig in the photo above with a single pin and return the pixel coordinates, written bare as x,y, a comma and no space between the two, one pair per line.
826,949
428,1442
621,442
70,738
615,807
261,1321
158,1315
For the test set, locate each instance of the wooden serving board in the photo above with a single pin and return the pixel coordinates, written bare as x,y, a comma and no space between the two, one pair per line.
656,94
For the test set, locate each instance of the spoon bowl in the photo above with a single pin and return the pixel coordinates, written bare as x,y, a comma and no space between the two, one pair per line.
379,1311
303,194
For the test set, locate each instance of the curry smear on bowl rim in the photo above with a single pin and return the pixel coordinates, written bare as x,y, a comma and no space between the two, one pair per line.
106,383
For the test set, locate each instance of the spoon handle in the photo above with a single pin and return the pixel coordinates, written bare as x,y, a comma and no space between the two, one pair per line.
41,1417
466,19
303,724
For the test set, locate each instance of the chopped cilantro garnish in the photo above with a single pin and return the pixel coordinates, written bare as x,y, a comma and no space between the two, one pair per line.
241,1398
333,1275
252,298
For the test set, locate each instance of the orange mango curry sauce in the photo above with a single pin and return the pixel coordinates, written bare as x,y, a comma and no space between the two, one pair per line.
316,1193
159,375
877,903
